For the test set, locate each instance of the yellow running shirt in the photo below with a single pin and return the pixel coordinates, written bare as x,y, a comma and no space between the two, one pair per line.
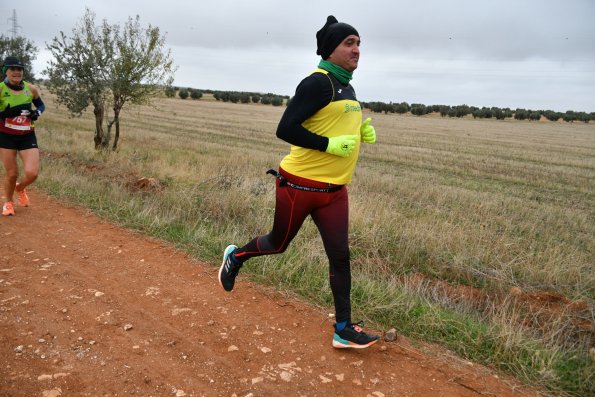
342,116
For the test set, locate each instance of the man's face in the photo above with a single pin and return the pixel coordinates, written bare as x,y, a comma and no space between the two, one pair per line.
346,54
14,74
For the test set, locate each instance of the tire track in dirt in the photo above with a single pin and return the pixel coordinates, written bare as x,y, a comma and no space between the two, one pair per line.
70,283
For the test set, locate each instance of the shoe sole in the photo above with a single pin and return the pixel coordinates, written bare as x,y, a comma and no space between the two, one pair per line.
345,344
226,252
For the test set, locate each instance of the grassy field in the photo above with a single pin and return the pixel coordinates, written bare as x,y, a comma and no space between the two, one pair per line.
476,234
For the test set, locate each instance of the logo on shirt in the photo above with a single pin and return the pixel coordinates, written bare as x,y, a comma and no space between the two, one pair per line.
352,108
339,90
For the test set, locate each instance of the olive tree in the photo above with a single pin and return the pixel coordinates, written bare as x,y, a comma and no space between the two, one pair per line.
106,65
78,73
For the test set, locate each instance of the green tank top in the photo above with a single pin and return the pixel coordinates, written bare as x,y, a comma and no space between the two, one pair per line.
20,124
12,98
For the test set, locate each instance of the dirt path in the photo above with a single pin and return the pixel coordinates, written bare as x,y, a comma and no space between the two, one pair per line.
90,309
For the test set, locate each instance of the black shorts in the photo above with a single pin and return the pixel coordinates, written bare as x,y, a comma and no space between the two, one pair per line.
18,142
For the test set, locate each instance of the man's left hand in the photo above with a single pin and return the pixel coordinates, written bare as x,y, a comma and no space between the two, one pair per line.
368,133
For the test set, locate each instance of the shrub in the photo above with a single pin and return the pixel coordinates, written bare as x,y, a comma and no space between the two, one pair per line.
234,97
277,101
551,115
170,92
462,110
418,110
195,94
520,114
444,110
584,117
498,113
402,107
183,93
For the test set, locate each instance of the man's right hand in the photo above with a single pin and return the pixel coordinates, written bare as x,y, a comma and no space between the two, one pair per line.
341,145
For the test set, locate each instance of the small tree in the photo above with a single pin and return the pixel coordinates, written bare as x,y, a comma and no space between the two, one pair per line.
183,93
102,64
551,115
195,94
584,117
140,68
462,110
569,116
520,114
77,74
402,107
277,101
418,109
170,92
498,113
234,97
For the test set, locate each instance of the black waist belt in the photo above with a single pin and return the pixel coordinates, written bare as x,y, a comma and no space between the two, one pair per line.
284,182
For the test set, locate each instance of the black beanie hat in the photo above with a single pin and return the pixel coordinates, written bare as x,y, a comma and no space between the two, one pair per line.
331,35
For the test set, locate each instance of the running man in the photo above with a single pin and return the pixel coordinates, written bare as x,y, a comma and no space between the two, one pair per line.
323,123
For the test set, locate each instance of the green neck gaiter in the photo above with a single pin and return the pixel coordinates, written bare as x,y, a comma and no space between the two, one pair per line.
341,74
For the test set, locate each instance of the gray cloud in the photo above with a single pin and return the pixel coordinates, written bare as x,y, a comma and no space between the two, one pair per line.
528,53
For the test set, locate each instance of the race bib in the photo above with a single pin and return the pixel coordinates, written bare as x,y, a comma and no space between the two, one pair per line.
18,123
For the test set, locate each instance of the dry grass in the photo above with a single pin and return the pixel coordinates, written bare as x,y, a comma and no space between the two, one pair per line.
483,203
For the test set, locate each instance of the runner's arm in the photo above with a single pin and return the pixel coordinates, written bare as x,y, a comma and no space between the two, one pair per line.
312,94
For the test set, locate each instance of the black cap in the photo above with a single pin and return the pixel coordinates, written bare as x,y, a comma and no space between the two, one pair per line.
331,35
11,62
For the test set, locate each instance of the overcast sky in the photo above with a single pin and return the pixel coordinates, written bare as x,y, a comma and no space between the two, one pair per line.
537,54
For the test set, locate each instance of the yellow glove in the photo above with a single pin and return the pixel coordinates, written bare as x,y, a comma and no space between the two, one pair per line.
368,132
341,145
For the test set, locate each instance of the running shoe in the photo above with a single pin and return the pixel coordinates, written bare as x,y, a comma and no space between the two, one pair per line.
8,208
229,269
23,199
353,337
